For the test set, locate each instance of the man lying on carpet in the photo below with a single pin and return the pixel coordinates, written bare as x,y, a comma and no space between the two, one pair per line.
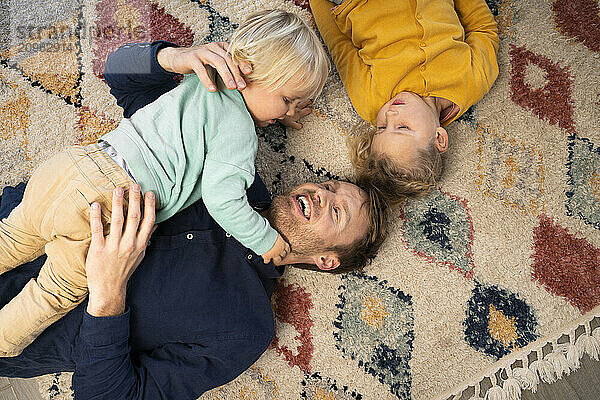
197,312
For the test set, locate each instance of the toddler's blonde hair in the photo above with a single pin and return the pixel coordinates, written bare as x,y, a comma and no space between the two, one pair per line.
396,182
279,46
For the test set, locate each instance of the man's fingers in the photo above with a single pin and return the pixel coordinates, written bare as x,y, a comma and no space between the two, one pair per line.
223,68
232,67
116,224
200,70
133,213
96,225
147,226
245,67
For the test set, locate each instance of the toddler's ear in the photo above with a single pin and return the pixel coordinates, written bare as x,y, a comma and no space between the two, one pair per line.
441,139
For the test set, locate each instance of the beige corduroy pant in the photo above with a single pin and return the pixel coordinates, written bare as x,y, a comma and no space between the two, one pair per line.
54,218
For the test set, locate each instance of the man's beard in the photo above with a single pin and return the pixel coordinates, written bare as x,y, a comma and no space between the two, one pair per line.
302,239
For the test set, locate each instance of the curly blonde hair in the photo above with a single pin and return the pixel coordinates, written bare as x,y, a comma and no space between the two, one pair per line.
396,182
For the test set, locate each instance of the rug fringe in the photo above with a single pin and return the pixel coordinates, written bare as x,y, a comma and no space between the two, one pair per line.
508,381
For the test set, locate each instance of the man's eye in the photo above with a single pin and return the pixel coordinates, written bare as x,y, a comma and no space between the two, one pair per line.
402,127
379,128
337,213
287,101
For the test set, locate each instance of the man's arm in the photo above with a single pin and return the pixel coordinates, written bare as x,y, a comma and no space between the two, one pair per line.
105,367
135,77
139,73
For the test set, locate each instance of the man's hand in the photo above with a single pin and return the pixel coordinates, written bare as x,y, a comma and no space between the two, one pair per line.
187,60
280,249
111,260
302,110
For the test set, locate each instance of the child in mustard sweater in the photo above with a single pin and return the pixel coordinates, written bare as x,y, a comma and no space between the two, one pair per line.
410,67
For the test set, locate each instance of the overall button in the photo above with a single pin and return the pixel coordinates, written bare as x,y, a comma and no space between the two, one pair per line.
227,234
422,44
423,67
190,236
419,16
249,256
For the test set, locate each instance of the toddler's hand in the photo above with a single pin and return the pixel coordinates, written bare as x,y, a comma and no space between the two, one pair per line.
280,249
302,110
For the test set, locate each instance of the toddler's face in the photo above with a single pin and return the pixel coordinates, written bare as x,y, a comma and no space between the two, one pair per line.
406,123
267,106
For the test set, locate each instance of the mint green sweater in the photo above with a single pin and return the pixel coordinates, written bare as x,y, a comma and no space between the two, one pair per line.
191,144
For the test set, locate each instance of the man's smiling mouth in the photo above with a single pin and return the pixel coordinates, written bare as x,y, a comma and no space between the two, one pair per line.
304,204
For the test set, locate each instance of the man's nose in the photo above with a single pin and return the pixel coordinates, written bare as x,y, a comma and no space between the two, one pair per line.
321,197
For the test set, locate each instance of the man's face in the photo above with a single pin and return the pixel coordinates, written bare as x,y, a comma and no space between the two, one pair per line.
316,217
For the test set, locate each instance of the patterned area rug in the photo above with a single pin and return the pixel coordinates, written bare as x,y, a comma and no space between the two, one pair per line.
486,287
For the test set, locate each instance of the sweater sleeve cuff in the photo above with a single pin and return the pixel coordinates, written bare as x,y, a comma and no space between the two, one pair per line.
267,242
155,66
105,331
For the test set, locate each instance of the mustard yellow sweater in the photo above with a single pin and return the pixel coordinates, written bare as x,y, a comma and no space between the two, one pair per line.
440,48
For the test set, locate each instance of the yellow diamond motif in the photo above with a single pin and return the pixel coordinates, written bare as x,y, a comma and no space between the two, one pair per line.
321,394
373,312
502,328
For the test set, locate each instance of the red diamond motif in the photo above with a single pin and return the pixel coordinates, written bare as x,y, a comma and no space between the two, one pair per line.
579,19
552,102
134,21
292,306
565,265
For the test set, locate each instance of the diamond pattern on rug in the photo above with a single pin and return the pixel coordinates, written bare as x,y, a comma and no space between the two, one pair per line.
510,171
49,55
252,384
293,339
439,228
565,265
375,327
319,388
220,26
498,322
92,125
550,99
583,196
579,19
15,116
127,21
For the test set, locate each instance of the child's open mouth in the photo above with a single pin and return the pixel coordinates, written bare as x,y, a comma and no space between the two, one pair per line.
397,102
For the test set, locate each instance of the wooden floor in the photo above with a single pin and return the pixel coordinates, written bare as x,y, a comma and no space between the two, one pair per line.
19,389
579,385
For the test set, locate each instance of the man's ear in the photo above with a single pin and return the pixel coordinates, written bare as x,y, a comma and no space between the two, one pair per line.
327,262
441,139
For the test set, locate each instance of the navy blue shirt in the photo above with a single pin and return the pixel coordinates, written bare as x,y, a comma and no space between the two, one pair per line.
198,306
